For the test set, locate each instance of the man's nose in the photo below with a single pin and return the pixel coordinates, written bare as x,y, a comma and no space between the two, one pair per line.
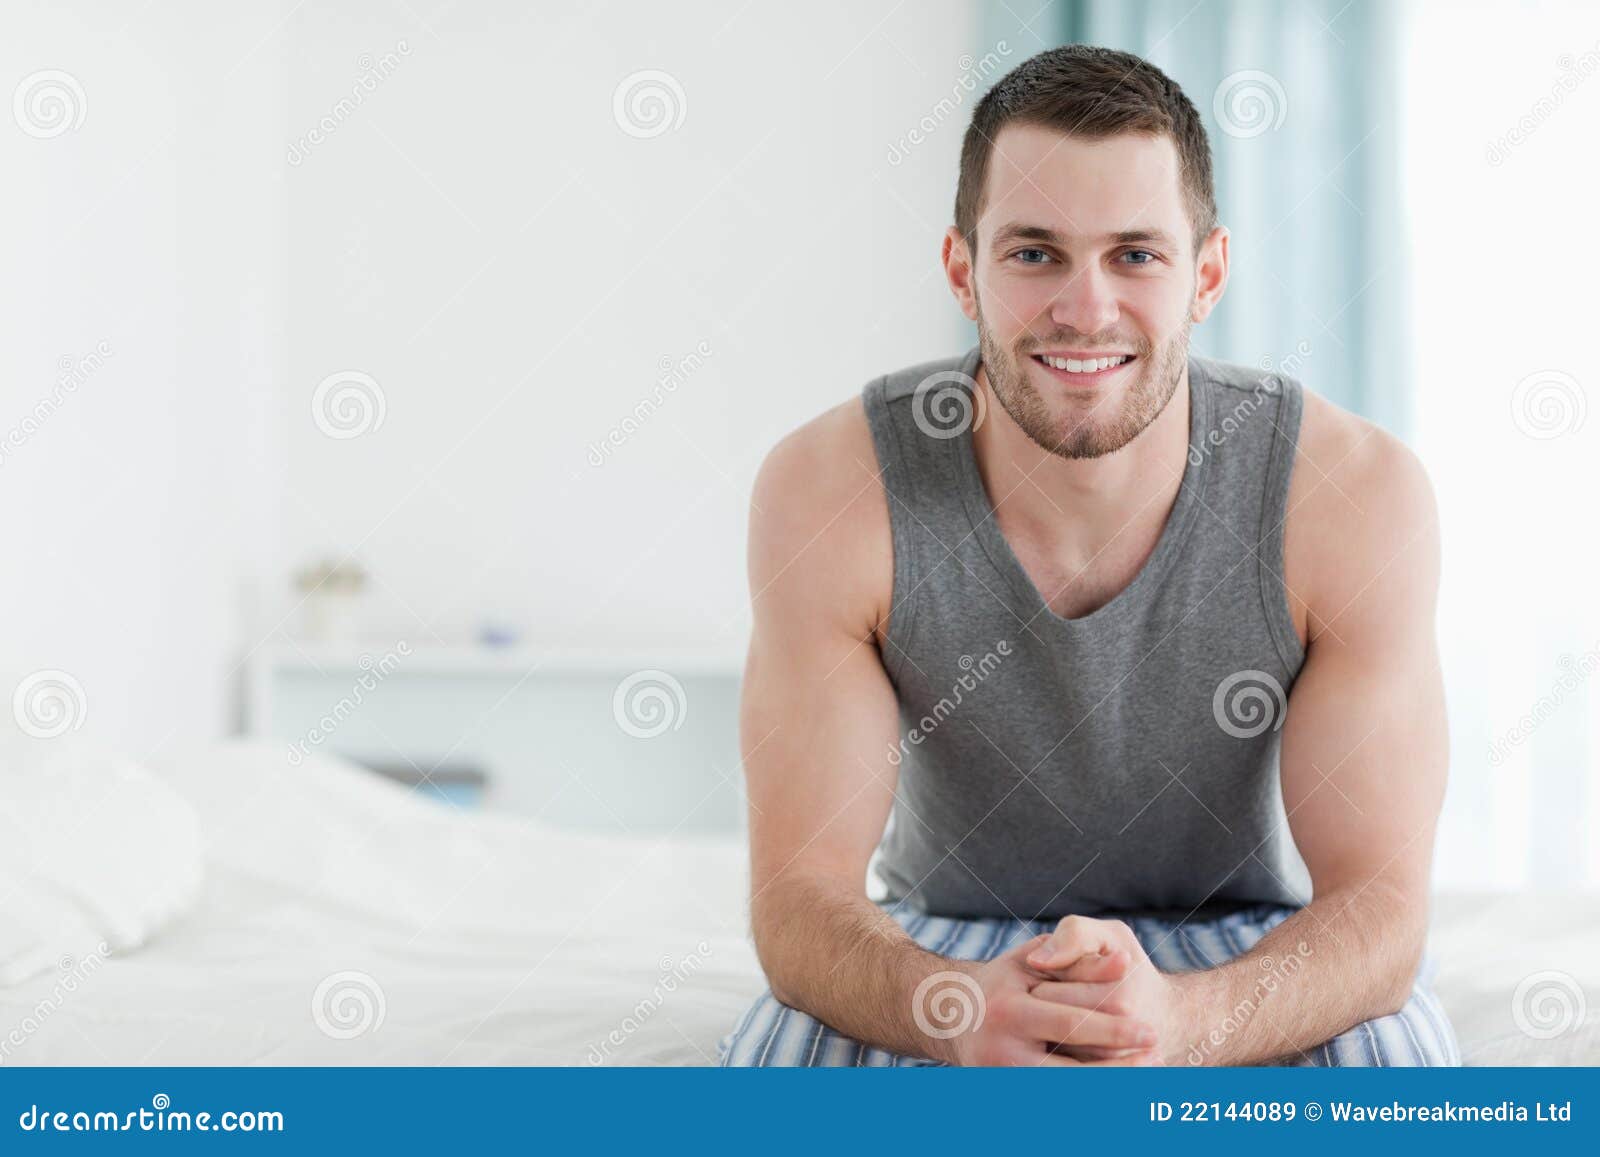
1085,303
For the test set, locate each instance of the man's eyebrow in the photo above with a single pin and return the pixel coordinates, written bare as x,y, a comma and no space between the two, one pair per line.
1021,231
1017,231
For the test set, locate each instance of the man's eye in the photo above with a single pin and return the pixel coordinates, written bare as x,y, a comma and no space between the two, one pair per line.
1032,256
1147,256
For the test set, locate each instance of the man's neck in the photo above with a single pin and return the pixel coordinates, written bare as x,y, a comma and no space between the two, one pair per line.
1078,504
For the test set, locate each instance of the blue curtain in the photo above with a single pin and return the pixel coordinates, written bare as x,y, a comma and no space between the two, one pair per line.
1301,105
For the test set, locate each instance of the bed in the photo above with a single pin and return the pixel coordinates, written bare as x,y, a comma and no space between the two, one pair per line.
340,919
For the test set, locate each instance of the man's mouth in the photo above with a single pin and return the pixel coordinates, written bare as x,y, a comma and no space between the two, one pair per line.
1083,367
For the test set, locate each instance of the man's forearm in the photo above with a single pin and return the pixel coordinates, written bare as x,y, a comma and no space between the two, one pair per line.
1345,958
832,953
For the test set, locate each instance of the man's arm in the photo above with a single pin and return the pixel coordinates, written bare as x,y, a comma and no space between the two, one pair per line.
819,719
1364,761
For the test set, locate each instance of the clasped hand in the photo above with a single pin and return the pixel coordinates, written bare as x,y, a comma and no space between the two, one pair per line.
1085,994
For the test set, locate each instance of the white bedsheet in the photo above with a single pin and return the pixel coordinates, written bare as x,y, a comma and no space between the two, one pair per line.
484,939
487,939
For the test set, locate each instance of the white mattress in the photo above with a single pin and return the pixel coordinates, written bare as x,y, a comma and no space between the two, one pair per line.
487,939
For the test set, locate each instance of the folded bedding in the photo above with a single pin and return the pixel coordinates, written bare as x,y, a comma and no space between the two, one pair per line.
97,855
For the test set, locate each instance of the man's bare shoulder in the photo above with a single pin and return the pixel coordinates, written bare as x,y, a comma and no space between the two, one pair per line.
1362,522
819,517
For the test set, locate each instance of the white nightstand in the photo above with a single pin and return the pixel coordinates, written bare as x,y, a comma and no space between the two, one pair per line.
642,742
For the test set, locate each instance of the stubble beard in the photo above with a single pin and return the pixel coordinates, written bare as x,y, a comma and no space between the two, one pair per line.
1069,433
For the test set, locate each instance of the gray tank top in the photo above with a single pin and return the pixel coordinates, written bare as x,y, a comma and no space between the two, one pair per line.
1123,761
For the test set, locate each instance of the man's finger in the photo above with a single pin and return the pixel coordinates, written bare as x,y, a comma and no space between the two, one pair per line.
1094,996
1109,968
1138,1057
1074,938
1127,1059
1068,1024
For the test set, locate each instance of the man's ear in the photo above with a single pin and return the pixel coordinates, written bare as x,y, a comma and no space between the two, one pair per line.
957,260
1210,275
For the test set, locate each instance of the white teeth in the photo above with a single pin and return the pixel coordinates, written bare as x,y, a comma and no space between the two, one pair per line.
1083,366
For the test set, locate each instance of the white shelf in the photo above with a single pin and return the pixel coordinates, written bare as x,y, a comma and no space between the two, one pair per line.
436,659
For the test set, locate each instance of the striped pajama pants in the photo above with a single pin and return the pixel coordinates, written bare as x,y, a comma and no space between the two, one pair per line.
773,1034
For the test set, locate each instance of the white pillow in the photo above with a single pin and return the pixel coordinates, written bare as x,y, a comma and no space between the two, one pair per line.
96,854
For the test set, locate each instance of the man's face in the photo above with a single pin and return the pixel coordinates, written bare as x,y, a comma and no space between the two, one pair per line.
1084,252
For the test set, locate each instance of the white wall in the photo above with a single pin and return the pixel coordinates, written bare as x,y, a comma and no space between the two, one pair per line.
483,239
1502,178
511,267
137,242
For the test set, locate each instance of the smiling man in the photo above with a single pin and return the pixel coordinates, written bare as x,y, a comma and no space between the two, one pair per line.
1121,660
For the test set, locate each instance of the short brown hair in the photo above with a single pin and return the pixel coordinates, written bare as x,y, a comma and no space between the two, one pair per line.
1092,93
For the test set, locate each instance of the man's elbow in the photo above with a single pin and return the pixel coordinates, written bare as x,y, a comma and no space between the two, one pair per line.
1401,977
773,943
771,957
